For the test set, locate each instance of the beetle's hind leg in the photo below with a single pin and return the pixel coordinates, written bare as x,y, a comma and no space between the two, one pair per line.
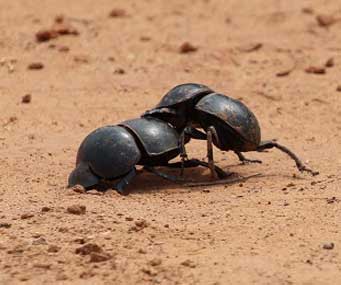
245,160
299,164
196,162
120,186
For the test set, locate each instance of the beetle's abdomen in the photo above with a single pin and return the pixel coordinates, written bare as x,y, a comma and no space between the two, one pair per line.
235,115
110,151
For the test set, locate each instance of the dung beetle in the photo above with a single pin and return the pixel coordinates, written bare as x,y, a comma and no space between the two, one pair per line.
112,152
228,123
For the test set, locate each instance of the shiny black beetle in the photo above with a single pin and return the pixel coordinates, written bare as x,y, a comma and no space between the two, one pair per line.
227,122
112,152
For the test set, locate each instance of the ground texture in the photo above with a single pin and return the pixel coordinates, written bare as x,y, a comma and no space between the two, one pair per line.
282,58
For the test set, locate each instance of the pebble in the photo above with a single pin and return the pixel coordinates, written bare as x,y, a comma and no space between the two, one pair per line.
328,245
26,99
35,66
187,47
88,249
76,209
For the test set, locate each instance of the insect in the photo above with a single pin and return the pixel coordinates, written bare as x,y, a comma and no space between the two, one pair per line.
112,153
228,123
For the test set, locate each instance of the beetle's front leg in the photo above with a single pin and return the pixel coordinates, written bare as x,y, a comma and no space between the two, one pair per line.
210,131
299,164
183,153
120,185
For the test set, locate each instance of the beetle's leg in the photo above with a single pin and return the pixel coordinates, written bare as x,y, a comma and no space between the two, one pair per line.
195,133
210,132
120,185
272,144
183,153
245,160
195,162
164,175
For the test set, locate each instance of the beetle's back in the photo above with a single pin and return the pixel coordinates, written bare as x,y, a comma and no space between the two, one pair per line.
156,136
182,93
234,114
110,151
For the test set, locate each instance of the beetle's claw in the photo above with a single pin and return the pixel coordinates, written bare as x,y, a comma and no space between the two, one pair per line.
306,169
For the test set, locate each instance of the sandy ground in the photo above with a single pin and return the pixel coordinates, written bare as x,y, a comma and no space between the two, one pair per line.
280,228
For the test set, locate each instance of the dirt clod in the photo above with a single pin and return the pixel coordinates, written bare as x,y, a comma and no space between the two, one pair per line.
45,209
117,13
35,66
155,262
188,263
187,47
46,35
26,99
330,62
325,20
78,189
26,216
76,209
315,70
88,249
5,225
328,245
99,257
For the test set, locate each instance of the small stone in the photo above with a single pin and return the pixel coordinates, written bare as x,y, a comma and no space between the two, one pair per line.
142,251
26,216
39,241
88,249
119,71
78,189
149,271
187,47
328,245
129,219
338,88
99,257
155,262
45,209
325,20
35,66
188,263
315,70
53,248
26,99
117,13
76,209
330,62
5,225
46,35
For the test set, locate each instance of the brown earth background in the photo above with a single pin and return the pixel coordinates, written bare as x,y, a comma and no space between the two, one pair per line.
280,228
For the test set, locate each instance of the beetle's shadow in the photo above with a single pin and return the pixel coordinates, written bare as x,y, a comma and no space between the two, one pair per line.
146,182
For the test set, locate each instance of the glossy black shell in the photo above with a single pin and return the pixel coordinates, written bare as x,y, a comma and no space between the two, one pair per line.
159,140
110,152
182,93
237,127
